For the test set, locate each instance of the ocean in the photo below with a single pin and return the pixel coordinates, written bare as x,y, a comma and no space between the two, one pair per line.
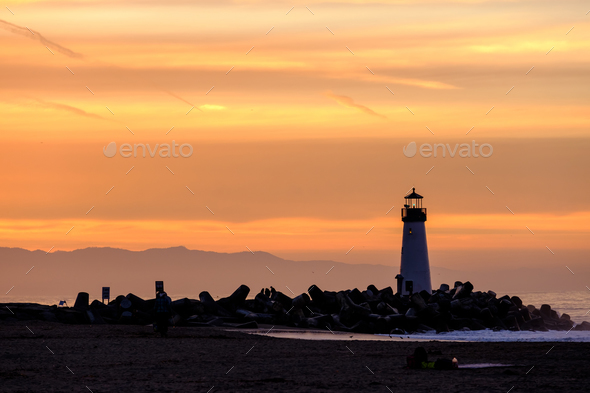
575,303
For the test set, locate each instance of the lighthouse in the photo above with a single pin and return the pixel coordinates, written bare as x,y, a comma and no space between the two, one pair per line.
415,268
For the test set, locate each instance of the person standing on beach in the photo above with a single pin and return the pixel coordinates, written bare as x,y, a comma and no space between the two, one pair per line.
162,308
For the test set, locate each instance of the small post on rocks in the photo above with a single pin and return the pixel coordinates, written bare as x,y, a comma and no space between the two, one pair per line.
159,286
106,294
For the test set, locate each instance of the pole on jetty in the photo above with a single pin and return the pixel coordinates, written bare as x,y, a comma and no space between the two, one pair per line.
106,294
415,267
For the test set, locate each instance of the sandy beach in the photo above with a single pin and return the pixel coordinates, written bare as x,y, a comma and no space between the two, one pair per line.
130,358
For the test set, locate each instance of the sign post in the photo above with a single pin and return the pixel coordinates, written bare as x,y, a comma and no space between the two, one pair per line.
159,286
106,294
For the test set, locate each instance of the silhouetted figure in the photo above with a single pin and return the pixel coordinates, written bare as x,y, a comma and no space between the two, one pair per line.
162,308
267,292
420,360
272,292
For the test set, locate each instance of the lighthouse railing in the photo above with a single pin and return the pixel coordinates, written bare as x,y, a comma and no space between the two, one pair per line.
412,213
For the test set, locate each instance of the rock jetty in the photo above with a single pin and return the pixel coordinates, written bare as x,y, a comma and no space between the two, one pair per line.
368,311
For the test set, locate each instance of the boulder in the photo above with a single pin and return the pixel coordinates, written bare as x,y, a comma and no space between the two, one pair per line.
385,309
545,311
110,311
239,296
465,291
477,325
336,324
211,306
71,316
503,307
319,321
516,301
425,295
215,322
418,301
511,323
535,324
444,287
440,324
285,300
125,304
362,327
565,324
317,295
176,319
260,318
386,292
373,289
487,317
301,301
584,326
356,296
137,302
94,317
459,323
98,305
455,306
182,306
48,316
126,318
421,328
262,302
116,301
82,301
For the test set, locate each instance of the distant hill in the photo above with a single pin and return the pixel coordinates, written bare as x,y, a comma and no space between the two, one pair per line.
188,272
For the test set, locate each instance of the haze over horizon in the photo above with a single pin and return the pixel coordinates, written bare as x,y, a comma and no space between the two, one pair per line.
62,274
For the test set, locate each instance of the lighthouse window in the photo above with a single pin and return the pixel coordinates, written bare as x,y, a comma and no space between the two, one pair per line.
410,231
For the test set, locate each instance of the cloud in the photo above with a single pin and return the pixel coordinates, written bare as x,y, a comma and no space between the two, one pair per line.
67,108
426,84
180,98
209,107
349,103
35,35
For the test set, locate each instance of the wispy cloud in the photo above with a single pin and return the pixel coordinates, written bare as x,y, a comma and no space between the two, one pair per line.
35,35
67,108
180,98
349,103
426,84
210,107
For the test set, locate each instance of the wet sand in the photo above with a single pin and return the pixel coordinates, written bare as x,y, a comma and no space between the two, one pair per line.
112,358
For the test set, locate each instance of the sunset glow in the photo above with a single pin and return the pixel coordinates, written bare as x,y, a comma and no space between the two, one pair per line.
297,121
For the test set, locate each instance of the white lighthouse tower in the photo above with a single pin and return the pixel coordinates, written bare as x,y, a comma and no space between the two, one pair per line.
415,268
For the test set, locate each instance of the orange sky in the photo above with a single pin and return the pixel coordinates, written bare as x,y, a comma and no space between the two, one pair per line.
298,148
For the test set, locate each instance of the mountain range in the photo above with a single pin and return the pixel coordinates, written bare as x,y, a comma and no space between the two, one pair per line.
188,272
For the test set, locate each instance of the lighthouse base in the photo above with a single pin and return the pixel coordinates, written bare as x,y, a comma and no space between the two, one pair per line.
415,266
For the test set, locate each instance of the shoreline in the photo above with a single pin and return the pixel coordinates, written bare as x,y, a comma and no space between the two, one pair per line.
111,358
480,336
